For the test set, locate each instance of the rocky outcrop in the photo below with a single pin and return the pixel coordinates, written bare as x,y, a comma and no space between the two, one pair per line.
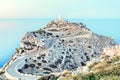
66,46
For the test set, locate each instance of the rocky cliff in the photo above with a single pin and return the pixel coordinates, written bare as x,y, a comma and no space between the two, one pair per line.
60,45
66,46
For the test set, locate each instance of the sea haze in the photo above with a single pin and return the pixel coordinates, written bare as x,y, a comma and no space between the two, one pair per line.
12,30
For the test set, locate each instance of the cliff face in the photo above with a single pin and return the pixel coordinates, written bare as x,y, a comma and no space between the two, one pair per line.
64,45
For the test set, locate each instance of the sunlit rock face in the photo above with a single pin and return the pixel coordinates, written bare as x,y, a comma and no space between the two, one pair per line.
61,45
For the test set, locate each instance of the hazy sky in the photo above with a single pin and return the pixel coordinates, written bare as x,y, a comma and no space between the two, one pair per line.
67,8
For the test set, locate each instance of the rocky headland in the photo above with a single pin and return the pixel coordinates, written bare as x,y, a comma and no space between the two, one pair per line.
60,46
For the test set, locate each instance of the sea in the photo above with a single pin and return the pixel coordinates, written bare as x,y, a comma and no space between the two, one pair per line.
12,31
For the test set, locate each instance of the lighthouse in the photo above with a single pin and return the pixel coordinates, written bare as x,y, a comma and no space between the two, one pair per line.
59,16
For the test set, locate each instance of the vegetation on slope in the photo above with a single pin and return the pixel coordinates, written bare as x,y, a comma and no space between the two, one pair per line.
106,70
40,31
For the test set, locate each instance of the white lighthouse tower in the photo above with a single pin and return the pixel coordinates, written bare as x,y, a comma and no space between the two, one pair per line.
59,20
59,16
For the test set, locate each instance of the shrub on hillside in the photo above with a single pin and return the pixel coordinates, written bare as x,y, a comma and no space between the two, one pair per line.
41,31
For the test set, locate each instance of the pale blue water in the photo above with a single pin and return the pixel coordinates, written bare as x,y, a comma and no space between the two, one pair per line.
12,30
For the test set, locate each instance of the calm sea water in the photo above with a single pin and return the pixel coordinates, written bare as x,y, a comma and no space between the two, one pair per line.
12,30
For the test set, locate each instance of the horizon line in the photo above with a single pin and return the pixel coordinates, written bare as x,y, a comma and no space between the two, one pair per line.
50,18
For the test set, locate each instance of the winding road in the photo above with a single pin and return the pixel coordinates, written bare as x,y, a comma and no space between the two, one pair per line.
12,70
